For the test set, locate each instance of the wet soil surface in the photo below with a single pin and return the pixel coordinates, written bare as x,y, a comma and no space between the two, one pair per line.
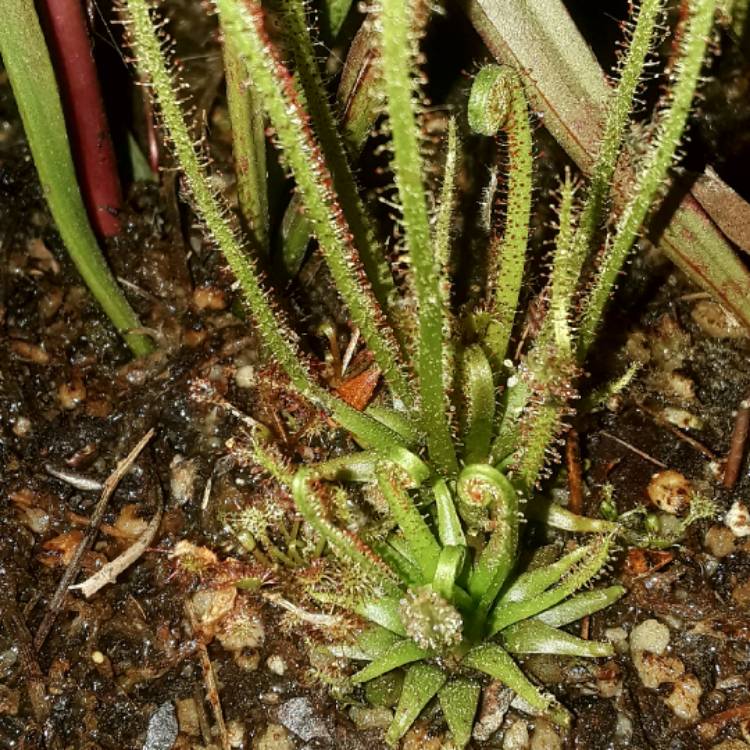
170,655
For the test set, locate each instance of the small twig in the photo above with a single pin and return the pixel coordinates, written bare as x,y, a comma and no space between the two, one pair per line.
207,493
85,544
737,444
109,572
74,479
635,450
679,434
717,721
349,353
16,627
575,480
209,678
586,627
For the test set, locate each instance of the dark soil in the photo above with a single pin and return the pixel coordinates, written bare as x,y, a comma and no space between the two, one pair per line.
136,664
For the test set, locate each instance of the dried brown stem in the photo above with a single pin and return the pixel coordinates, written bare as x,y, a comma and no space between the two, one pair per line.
575,479
635,450
737,444
85,544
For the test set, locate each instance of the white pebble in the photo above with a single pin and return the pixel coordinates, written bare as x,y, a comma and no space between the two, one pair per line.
738,519
649,635
276,664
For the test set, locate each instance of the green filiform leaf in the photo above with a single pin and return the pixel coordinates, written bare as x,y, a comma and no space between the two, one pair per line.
424,547
397,71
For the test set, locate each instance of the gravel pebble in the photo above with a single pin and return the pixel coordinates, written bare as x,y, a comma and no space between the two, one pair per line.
162,728
738,519
274,738
298,716
685,697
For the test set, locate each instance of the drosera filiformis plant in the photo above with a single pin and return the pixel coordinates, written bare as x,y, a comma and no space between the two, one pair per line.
411,540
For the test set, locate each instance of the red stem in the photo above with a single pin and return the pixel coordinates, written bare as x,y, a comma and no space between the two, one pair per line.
88,130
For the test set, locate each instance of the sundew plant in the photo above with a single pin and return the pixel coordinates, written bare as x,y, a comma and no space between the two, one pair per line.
409,548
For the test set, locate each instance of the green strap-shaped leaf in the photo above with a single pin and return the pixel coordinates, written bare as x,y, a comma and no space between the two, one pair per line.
345,545
276,90
398,50
400,653
580,605
32,77
533,582
459,700
656,165
397,422
494,661
478,416
515,398
498,556
506,614
421,684
448,567
383,611
558,517
401,565
296,27
535,637
497,103
449,525
424,546
376,640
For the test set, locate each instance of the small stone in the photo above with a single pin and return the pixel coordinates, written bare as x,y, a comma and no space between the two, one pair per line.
187,717
235,733
717,322
209,298
656,669
72,393
242,629
681,386
738,519
649,635
98,657
371,718
29,352
669,491
719,541
50,303
162,728
10,700
211,606
249,661
245,376
419,737
741,594
545,737
685,697
516,736
275,737
496,701
298,716
183,473
22,427
682,418
276,664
